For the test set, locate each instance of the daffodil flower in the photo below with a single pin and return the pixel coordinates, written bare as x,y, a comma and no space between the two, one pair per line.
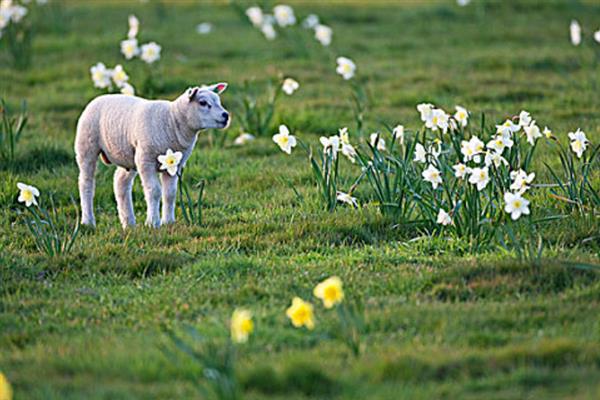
578,142
331,145
425,109
284,15
515,205
461,116
204,28
575,31
289,86
438,120
269,31
128,89
521,180
492,157
170,161
241,325
330,291
300,313
420,153
346,198
284,140
533,133
243,139
345,67
311,21
398,134
461,171
443,218
432,175
27,194
323,34
130,48
480,177
255,15
134,26
101,76
376,140
5,389
548,133
150,52
507,128
119,76
524,119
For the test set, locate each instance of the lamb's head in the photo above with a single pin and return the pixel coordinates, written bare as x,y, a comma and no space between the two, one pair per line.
203,109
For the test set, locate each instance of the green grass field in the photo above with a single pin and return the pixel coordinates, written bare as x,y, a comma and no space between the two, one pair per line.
441,322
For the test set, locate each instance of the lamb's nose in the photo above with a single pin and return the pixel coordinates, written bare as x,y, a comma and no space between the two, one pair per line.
226,116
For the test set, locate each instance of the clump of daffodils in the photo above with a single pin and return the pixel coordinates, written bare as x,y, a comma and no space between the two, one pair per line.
149,52
283,16
241,325
105,78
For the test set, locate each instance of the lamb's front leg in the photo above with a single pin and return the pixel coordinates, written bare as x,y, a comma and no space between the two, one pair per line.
169,195
151,185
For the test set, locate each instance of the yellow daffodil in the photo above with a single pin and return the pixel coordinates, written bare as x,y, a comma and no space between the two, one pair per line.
5,389
301,313
241,325
330,291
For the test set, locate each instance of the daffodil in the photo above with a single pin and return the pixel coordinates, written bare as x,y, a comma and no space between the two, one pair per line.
492,157
119,76
597,36
255,15
548,133
204,28
289,86
438,120
323,34
377,141
346,198
461,170
471,149
461,116
578,142
150,52
398,134
432,175
170,161
499,143
301,313
330,291
134,26
420,153
268,30
443,218
533,133
575,31
130,48
345,67
311,21
27,194
507,128
5,389
347,149
243,139
284,15
524,119
284,140
128,89
331,145
101,76
515,205
241,325
426,110
521,180
480,177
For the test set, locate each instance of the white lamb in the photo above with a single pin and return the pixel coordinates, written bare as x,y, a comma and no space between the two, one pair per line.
131,133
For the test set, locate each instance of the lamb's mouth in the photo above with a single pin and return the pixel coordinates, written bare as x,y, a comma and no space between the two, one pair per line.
225,123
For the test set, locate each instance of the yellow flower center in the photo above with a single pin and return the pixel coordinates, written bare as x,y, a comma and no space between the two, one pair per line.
247,326
517,204
331,293
284,140
27,195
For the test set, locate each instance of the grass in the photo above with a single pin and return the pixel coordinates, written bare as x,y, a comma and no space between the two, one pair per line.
442,323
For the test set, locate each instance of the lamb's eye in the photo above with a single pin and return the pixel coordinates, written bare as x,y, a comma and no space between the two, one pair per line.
203,103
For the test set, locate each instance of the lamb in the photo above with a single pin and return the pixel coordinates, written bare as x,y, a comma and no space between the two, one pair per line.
131,132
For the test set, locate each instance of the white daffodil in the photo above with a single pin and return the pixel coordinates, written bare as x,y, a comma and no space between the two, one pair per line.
507,128
443,218
575,31
204,28
289,86
345,67
347,149
491,157
524,119
521,180
533,133
426,110
130,48
331,145
548,133
398,134
346,198
461,116
150,52
170,161
438,120
578,142
101,76
515,205
27,194
255,15
323,34
134,26
243,139
376,139
461,170
311,21
128,89
471,149
284,15
499,143
432,175
269,31
420,153
284,140
480,177
597,36
119,76
463,3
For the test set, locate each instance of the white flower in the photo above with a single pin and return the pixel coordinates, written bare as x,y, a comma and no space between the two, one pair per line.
290,86
27,194
480,177
398,133
471,149
507,128
347,149
533,133
425,109
14,12
268,31
499,143
375,139
547,132
597,36
578,142
101,75
461,116
204,28
128,89
150,52
255,15
463,3
323,34
575,31
243,139
438,120
432,175
130,48
420,153
119,76
491,157
331,145
515,205
170,161
443,218
521,180
524,119
284,140
345,67
346,198
311,21
461,170
134,25
284,15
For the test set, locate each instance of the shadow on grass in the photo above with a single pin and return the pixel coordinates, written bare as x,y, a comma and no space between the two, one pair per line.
40,158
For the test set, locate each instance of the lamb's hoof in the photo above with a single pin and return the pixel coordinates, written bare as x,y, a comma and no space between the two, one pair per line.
153,224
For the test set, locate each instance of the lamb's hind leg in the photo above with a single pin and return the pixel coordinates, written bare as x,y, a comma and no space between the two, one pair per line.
123,185
87,185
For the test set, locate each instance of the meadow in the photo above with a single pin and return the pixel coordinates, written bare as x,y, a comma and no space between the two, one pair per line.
442,319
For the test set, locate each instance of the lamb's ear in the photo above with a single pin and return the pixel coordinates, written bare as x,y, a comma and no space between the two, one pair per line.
219,88
191,93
